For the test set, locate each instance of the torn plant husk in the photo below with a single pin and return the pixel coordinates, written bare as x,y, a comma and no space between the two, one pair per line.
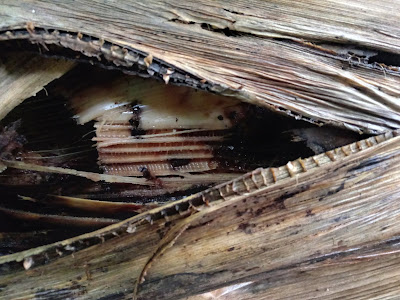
196,169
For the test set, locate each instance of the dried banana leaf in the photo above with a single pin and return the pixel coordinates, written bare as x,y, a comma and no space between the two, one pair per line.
329,215
321,227
310,60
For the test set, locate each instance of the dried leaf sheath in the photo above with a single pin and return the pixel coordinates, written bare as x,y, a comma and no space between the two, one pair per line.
312,199
328,229
30,74
260,56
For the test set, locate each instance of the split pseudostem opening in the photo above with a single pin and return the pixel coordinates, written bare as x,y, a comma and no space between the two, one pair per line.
99,139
